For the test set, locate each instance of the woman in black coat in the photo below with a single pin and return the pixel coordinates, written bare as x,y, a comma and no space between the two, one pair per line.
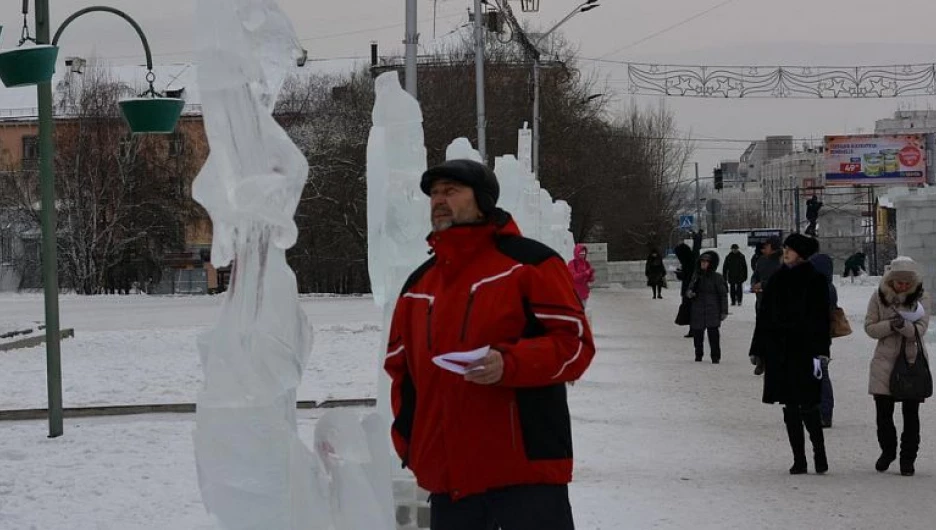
656,274
709,295
791,334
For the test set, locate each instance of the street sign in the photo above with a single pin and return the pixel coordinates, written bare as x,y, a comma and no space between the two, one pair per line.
686,222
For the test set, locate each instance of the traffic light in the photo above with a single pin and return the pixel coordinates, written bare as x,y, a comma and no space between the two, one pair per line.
719,176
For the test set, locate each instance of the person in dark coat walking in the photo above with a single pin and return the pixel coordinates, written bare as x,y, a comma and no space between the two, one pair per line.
709,296
736,273
791,334
687,262
770,261
823,263
655,271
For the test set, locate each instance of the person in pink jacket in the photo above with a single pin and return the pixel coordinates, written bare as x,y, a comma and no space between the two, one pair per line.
582,272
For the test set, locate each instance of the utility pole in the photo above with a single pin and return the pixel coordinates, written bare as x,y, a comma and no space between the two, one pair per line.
536,113
796,208
698,199
412,43
479,79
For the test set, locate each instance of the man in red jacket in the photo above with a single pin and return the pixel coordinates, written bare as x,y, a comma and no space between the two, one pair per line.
490,439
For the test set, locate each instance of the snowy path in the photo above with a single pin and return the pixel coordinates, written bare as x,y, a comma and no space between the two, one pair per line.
664,442
661,441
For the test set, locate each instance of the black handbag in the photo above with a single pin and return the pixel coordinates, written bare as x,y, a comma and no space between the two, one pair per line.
911,382
683,315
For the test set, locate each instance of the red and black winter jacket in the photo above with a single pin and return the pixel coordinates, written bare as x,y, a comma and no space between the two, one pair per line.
487,285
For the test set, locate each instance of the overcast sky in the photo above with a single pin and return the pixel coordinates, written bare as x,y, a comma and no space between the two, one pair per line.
838,32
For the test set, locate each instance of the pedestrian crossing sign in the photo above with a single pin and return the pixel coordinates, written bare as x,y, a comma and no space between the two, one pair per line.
686,222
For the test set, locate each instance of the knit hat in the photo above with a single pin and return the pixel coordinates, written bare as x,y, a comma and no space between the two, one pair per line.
734,247
470,173
904,269
802,245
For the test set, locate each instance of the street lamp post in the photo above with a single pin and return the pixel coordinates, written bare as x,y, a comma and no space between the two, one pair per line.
537,66
49,240
156,114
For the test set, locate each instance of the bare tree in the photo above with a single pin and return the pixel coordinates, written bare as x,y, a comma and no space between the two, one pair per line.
121,201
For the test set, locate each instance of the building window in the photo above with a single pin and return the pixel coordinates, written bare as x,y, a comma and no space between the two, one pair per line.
30,148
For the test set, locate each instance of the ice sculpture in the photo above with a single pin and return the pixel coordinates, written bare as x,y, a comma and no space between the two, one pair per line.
397,210
532,207
397,225
254,472
461,149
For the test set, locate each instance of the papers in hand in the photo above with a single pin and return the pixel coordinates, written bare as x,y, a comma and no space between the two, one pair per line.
458,361
913,316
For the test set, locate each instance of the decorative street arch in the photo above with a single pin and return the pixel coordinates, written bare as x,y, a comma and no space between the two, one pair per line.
821,82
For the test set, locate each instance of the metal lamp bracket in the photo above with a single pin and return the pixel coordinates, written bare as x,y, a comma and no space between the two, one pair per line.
150,76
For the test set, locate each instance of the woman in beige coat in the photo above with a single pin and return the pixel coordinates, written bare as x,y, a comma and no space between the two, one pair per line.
899,311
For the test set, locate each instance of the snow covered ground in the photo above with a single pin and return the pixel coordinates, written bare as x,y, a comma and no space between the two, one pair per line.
132,350
661,441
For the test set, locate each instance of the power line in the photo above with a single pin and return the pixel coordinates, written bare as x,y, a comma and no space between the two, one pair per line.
304,39
669,28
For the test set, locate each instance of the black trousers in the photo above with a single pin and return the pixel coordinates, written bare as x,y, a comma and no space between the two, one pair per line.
714,339
737,292
532,507
887,431
657,290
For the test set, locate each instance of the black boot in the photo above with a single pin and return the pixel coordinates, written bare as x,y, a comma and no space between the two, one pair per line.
697,341
909,445
812,419
794,428
714,337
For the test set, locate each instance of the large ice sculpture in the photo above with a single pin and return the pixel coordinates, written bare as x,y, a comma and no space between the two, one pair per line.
397,210
397,225
254,472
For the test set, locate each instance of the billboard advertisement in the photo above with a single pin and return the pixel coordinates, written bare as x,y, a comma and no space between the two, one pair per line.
886,160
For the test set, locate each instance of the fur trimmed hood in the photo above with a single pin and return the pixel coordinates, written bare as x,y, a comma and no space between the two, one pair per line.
901,269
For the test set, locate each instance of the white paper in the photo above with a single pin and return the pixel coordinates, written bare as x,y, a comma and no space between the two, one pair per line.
455,361
915,315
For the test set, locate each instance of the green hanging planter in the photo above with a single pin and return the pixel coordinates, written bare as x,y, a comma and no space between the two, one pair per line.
152,115
28,66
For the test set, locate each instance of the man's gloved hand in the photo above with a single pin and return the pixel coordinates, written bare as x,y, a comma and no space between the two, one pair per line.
817,368
758,365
